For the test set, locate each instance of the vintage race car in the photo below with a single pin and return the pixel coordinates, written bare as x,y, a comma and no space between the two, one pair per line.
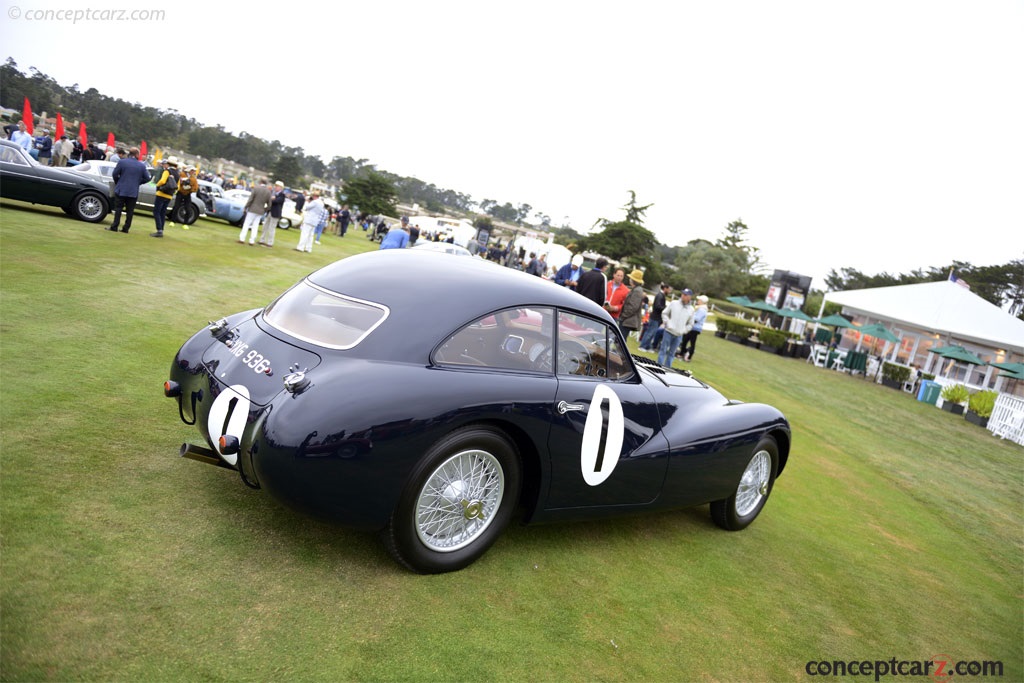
430,398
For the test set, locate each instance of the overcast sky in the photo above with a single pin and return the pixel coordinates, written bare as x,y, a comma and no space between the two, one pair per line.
878,135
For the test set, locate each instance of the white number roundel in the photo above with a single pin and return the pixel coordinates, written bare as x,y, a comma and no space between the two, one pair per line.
597,463
227,416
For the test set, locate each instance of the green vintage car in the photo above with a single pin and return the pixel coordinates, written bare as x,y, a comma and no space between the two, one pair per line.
23,178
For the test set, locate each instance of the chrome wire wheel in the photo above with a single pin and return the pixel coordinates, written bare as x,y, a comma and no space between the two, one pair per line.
459,500
89,207
754,483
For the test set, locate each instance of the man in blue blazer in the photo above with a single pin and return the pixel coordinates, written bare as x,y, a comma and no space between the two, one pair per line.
128,175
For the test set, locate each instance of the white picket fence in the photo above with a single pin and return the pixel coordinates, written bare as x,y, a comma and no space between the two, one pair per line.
1007,420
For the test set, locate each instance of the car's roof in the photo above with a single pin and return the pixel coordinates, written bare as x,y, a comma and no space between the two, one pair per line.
431,296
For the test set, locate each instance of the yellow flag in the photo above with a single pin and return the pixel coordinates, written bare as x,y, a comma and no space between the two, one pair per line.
157,156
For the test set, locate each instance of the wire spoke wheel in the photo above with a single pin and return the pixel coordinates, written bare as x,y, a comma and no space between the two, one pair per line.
89,207
755,485
459,500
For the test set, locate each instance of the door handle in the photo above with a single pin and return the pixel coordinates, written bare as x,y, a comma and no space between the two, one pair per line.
564,407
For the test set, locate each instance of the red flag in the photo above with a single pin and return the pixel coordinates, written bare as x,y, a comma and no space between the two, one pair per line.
60,127
26,116
81,135
142,151
110,139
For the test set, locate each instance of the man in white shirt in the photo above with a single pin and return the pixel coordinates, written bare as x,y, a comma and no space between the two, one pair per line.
677,321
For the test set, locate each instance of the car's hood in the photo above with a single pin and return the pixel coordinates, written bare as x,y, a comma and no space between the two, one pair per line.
671,378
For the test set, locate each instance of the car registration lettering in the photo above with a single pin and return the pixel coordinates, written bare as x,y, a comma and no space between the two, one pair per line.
253,359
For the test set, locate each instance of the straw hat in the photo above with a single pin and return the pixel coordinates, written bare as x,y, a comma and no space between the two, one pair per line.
637,276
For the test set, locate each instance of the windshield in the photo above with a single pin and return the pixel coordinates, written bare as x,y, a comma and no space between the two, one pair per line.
325,318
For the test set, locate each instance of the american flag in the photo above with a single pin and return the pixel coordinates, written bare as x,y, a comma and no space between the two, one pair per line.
953,278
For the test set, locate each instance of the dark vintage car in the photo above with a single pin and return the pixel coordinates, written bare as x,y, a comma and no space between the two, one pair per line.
433,405
24,179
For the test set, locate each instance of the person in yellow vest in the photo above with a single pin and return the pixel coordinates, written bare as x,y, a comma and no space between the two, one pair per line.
187,185
166,186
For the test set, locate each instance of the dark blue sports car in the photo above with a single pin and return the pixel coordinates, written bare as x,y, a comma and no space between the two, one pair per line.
430,397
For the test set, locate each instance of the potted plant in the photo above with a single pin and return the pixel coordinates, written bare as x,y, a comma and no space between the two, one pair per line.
894,376
772,341
979,407
953,398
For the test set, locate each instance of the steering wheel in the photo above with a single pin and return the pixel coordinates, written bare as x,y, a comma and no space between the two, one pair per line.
571,359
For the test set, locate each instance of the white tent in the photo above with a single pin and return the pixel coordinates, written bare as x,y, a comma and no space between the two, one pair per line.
943,308
934,314
461,229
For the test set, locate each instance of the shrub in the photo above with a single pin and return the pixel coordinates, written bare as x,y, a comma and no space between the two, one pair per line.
955,393
740,328
896,373
982,403
773,338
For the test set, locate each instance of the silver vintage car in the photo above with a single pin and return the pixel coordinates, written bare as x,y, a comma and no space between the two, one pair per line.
187,214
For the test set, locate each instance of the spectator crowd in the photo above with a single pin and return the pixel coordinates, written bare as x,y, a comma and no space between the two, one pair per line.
668,325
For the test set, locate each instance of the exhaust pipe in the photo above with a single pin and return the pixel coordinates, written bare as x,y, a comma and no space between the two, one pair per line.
203,454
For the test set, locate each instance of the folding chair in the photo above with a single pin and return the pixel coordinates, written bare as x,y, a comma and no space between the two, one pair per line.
819,353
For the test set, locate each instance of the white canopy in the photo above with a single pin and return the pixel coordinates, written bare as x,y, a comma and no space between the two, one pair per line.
945,308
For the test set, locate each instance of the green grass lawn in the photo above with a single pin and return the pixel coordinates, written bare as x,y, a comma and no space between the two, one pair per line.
895,532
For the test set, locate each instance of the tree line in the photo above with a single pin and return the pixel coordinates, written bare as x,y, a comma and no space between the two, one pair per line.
171,128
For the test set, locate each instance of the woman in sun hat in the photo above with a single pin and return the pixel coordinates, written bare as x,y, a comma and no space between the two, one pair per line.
632,306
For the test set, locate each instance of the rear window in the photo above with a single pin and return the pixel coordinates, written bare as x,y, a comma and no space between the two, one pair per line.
325,318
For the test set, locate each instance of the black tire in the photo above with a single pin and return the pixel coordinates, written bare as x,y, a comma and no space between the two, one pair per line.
88,206
284,223
745,504
469,512
186,214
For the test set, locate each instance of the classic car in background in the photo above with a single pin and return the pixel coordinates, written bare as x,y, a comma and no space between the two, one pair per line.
21,177
433,411
219,205
187,214
289,216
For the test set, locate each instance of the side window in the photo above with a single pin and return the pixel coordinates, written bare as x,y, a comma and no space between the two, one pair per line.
589,348
512,339
12,156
